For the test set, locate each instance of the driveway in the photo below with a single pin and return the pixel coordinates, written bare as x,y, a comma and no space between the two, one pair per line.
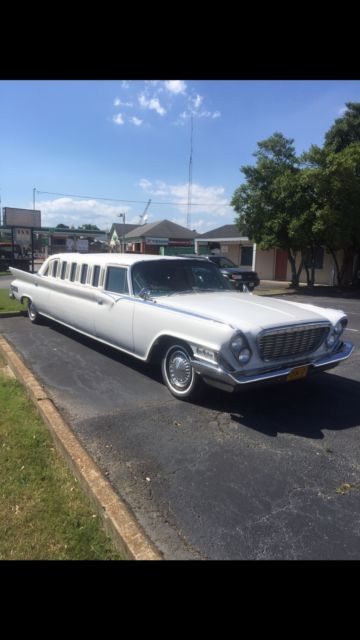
271,473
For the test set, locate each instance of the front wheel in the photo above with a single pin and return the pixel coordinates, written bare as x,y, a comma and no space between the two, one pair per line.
178,373
33,313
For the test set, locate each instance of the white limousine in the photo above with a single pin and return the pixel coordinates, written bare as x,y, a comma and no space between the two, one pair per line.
182,313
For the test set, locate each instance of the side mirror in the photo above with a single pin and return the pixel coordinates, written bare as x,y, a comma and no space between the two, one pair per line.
145,293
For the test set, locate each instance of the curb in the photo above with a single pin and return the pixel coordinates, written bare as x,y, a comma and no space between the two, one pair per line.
119,522
13,314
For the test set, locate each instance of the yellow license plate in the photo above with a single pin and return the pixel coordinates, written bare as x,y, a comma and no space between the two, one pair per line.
296,374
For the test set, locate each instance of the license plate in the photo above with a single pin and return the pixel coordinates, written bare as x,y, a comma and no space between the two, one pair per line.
298,373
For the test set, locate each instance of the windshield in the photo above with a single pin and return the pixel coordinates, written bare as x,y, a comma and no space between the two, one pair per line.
223,263
164,277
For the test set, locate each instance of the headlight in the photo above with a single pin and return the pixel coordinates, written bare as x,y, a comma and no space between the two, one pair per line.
340,326
331,339
244,356
237,343
240,349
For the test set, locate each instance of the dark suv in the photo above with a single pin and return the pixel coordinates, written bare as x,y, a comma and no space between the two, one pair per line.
236,275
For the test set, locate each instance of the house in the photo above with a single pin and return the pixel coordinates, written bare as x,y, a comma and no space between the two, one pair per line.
228,241
117,234
271,264
161,237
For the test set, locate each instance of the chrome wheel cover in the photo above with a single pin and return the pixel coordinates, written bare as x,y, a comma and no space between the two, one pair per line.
32,312
179,369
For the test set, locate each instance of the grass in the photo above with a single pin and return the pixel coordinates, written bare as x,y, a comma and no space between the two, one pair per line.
5,273
6,304
44,515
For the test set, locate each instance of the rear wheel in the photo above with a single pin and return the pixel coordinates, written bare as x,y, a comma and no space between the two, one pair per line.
33,313
178,373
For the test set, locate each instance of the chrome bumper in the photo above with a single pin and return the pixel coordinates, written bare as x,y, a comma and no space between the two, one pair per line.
218,377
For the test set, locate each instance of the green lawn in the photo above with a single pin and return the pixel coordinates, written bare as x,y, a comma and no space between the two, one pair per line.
44,515
6,304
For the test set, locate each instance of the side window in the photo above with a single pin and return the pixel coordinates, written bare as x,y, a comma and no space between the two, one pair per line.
46,272
84,270
63,270
73,271
96,276
54,268
116,280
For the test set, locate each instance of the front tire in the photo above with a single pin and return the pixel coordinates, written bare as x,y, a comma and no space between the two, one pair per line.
34,315
178,373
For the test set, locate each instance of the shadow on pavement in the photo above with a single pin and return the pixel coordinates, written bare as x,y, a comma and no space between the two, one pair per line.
305,408
324,401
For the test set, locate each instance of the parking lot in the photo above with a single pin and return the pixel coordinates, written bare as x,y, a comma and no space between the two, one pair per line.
269,473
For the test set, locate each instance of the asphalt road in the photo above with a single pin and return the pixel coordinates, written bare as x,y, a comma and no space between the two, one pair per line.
271,473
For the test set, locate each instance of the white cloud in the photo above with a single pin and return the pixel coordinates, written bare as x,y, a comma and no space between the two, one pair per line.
125,84
342,111
75,212
204,200
196,101
175,86
145,184
136,121
153,104
118,119
120,103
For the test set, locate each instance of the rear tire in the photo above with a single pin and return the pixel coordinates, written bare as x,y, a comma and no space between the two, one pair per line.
178,374
34,315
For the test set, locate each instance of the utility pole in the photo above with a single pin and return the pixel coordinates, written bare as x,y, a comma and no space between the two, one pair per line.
188,217
122,215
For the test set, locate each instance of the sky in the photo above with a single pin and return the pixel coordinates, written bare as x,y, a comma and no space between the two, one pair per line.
93,150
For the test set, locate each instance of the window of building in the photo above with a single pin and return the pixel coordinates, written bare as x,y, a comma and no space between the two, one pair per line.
96,276
84,270
116,280
246,256
73,271
63,270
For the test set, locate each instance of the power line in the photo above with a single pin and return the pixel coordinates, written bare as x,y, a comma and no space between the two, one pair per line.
194,204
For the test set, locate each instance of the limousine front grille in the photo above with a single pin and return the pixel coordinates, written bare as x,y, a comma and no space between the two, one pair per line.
291,341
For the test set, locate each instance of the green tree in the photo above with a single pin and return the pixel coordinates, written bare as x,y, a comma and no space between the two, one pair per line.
334,179
345,130
89,227
272,198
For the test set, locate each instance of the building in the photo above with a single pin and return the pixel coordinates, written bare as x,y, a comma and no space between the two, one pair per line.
117,235
271,264
229,242
161,237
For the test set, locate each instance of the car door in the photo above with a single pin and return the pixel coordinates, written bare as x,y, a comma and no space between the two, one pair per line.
115,309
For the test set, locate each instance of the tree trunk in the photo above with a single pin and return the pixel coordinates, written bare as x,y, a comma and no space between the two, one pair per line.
295,274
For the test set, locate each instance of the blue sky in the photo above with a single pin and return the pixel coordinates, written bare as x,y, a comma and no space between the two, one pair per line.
130,140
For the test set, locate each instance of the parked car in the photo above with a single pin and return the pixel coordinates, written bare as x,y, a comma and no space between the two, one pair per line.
237,276
182,314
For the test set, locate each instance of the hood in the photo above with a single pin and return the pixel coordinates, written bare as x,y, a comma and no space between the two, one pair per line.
248,312
238,270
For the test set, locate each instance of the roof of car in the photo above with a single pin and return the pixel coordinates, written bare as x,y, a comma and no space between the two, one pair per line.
109,258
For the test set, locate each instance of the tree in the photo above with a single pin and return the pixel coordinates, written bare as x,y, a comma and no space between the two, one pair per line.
89,227
335,182
345,130
61,226
272,198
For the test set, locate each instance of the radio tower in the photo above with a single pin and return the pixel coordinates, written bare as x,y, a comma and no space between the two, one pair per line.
188,218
